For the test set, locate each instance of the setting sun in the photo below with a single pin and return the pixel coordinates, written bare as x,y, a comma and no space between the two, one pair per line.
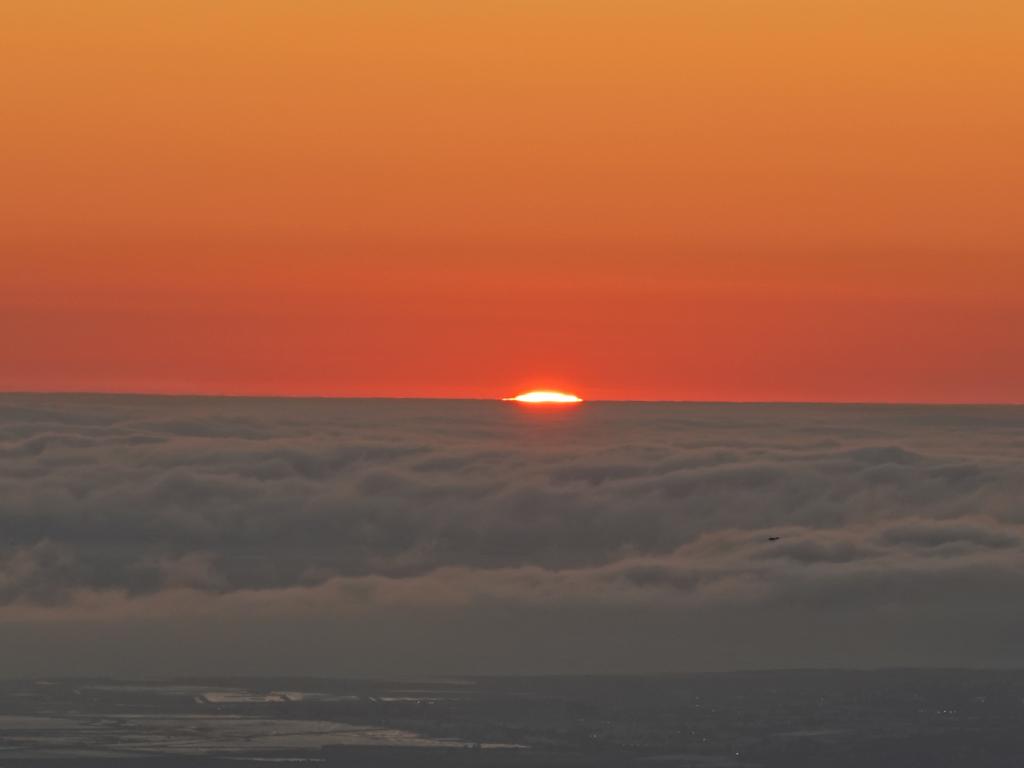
544,397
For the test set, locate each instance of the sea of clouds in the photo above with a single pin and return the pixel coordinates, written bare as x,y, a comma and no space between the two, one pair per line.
492,537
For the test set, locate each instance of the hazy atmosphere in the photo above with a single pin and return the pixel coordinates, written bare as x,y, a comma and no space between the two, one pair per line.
644,199
194,535
512,383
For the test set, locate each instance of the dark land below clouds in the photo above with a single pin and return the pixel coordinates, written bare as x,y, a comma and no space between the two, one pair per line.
781,719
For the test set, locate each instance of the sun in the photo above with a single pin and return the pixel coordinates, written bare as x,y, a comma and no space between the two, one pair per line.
541,396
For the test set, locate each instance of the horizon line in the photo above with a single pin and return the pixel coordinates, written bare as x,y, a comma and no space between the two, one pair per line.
498,399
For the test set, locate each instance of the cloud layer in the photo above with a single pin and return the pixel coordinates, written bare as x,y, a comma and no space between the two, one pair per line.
904,524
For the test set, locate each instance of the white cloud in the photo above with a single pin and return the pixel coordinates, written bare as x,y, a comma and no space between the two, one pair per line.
116,509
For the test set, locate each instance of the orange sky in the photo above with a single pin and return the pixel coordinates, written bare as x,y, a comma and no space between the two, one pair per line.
680,199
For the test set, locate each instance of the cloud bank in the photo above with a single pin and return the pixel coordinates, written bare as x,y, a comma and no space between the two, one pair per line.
622,537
